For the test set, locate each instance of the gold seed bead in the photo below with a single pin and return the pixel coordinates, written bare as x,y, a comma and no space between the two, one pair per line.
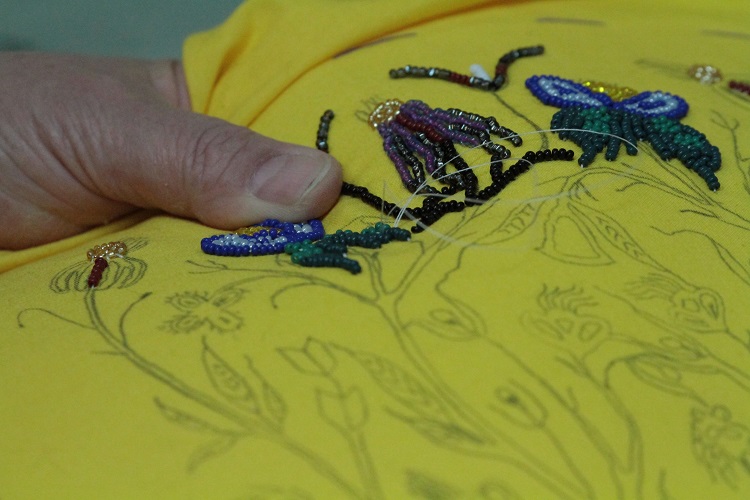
107,251
615,92
251,230
384,113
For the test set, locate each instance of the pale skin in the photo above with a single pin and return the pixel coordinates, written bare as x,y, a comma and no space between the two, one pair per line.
84,141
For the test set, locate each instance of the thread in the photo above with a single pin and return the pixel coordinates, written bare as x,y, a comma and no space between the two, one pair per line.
421,190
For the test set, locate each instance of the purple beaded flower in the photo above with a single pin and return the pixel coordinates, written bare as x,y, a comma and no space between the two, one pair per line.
413,130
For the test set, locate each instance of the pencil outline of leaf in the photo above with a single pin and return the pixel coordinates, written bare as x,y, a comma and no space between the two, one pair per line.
273,402
227,381
213,449
549,248
127,275
638,368
427,427
614,233
313,358
448,324
682,349
509,226
67,279
493,489
188,421
515,401
422,485
734,265
276,493
345,411
404,387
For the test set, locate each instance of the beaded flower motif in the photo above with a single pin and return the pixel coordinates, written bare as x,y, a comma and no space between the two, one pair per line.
268,237
648,116
421,143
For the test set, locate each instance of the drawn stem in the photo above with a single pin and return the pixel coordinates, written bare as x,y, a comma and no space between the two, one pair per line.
253,426
534,467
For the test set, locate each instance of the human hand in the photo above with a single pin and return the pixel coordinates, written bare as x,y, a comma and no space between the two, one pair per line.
86,140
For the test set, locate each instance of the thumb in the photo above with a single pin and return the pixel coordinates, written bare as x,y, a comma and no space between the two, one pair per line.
224,175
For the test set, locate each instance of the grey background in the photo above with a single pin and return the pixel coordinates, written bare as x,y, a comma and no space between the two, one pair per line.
134,28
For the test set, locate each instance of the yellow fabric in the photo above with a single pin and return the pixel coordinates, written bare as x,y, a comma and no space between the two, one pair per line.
585,336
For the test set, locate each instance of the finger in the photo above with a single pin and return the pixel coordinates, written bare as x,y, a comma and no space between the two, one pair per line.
221,174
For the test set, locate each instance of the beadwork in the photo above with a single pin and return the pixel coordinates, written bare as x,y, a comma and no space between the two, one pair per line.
100,255
705,73
325,122
740,87
594,122
615,92
433,209
501,71
562,93
412,130
268,237
331,250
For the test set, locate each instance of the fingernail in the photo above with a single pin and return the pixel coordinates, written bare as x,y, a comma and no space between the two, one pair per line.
286,179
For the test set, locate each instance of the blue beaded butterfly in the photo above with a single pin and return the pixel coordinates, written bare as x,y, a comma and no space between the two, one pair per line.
594,121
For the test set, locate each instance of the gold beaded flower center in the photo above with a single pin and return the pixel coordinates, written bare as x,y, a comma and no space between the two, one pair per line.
107,251
616,92
384,113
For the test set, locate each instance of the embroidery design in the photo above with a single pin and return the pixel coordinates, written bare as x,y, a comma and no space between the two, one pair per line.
595,122
478,82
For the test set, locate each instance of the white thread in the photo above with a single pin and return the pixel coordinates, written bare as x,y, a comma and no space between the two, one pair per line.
404,206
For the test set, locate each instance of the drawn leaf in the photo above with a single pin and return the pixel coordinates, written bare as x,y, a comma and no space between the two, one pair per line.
273,403
314,358
734,265
614,233
215,448
345,411
452,324
399,384
275,493
228,382
659,375
188,421
516,223
568,240
73,277
421,485
127,271
443,433
494,490
520,406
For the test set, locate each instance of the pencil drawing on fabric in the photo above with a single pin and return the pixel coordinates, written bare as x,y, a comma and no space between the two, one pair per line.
532,287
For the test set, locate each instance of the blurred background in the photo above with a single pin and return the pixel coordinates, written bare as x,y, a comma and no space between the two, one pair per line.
132,28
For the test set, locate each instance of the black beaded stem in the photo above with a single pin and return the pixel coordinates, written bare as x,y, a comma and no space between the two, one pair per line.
325,123
501,71
433,209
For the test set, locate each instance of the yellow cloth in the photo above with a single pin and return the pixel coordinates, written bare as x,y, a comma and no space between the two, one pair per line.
584,336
